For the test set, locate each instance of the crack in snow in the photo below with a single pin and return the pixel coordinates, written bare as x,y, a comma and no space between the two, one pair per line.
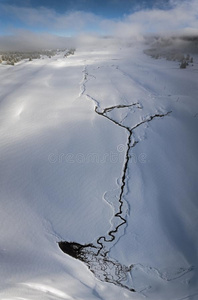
124,175
96,256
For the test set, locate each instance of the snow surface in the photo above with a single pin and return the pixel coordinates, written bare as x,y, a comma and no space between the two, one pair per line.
62,165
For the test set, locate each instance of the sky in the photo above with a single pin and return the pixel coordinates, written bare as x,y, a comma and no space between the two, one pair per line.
120,18
67,17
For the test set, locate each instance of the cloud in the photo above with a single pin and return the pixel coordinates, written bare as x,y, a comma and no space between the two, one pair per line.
28,41
49,19
177,17
181,16
24,40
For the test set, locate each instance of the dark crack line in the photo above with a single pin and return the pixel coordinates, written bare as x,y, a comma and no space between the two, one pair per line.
112,120
113,232
150,118
95,256
108,109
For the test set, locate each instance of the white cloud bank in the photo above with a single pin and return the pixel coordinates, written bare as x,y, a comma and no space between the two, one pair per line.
180,17
29,41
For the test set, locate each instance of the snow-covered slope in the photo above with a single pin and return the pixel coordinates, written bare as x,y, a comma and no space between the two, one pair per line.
99,149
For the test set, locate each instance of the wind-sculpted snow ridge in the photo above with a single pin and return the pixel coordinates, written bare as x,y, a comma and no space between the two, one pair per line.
96,256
